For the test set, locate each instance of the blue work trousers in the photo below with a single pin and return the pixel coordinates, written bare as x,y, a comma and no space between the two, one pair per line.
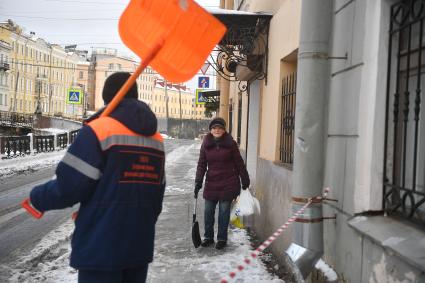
136,275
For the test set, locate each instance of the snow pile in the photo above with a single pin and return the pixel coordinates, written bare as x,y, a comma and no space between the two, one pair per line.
52,130
49,260
178,154
225,262
29,163
166,137
327,271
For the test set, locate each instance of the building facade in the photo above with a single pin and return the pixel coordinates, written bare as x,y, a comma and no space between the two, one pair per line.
4,74
341,108
40,73
255,113
375,124
104,62
180,101
82,82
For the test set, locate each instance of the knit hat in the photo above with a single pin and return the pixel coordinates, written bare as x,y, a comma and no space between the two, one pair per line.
217,122
113,84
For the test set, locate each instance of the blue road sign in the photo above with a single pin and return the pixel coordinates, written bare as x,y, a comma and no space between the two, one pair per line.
203,82
200,99
74,96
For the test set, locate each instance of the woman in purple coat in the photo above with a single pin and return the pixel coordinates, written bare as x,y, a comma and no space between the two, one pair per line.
221,160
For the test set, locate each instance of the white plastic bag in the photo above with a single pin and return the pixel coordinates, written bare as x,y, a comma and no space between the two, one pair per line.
246,203
243,210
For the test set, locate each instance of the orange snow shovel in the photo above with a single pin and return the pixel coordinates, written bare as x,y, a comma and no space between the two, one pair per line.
173,36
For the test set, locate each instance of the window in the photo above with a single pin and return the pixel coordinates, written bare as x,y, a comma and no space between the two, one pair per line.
111,66
81,75
404,159
287,119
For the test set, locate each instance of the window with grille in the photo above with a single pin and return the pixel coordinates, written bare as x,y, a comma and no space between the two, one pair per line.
287,119
404,159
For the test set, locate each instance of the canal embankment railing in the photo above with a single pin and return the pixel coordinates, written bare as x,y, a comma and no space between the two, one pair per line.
30,144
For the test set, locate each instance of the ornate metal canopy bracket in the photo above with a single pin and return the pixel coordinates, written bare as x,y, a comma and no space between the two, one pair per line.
242,53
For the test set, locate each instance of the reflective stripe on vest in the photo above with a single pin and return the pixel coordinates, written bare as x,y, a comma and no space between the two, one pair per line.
81,166
111,132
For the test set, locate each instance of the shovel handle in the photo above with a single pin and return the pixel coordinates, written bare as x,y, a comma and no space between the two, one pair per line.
195,205
26,203
130,81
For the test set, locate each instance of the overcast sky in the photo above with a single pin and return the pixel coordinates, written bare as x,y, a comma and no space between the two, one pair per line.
88,23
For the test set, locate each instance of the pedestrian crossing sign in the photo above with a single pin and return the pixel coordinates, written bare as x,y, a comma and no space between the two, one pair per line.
75,96
200,99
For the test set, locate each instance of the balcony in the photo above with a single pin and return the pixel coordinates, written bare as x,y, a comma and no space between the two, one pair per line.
4,66
41,77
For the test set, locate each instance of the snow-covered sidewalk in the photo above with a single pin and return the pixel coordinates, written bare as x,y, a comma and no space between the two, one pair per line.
176,260
29,163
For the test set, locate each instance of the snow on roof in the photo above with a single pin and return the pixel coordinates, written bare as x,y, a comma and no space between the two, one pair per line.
218,11
171,86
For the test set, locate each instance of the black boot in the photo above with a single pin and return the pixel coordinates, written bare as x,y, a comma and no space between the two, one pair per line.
220,245
207,242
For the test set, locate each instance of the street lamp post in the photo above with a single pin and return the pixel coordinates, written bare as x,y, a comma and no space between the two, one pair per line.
166,107
84,105
38,107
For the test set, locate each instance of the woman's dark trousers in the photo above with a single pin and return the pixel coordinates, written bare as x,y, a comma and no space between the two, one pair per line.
223,219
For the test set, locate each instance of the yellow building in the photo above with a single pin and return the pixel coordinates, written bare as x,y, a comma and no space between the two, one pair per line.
180,100
4,74
83,79
40,72
105,61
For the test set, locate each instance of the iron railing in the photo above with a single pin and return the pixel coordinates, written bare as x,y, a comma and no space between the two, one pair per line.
14,119
73,135
404,158
44,143
287,119
62,140
15,146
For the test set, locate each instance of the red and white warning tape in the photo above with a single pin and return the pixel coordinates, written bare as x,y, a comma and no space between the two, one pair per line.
270,240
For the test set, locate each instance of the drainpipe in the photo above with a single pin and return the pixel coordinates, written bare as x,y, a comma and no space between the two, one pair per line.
312,87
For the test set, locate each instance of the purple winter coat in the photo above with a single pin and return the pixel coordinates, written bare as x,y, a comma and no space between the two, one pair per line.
223,164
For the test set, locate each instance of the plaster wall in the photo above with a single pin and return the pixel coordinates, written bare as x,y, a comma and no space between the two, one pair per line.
253,130
273,190
378,265
356,104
